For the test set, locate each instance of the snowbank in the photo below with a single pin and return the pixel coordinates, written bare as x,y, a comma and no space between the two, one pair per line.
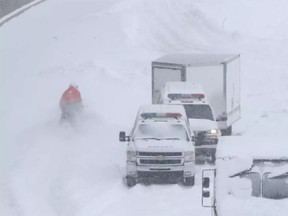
254,147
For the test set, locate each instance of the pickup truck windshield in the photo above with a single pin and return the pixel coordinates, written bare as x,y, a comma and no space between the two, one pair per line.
268,180
160,131
199,111
255,179
276,187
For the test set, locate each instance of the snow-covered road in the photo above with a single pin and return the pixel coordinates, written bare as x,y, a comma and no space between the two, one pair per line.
106,47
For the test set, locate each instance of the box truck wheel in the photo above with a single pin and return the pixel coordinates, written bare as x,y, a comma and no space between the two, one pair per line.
189,181
227,132
130,181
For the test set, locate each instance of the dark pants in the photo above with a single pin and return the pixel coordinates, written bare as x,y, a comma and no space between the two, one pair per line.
71,110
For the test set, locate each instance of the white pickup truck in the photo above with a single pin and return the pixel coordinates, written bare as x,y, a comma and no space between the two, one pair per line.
199,112
247,170
160,146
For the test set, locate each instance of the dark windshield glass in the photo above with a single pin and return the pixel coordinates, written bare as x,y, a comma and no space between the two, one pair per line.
276,187
256,182
160,130
199,111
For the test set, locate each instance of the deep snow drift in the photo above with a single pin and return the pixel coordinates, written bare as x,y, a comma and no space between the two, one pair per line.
106,47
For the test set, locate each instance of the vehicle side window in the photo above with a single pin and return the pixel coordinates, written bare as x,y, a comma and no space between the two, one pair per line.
275,187
256,182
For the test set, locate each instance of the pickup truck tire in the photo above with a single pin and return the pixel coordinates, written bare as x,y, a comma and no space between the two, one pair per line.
213,158
189,181
130,181
227,132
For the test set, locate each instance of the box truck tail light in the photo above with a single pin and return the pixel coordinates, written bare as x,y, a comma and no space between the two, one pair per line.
160,115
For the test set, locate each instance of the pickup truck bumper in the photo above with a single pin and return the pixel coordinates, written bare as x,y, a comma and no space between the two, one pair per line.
206,150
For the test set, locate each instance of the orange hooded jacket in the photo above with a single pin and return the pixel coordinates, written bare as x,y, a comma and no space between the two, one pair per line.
70,96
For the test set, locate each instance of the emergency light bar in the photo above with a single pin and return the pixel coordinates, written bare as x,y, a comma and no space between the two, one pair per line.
160,115
198,96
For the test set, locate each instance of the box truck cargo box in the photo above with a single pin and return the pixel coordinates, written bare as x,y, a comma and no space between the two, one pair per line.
218,74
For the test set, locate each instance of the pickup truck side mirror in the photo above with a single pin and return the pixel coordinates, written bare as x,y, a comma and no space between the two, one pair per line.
221,118
123,137
193,138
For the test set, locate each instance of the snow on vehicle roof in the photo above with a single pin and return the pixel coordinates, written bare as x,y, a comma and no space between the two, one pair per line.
162,108
236,154
196,59
264,147
183,87
272,169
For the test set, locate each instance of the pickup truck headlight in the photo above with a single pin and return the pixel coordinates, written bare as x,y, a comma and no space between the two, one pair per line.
131,156
213,131
189,156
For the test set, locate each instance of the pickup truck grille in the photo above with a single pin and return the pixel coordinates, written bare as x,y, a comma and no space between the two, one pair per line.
148,161
203,139
160,153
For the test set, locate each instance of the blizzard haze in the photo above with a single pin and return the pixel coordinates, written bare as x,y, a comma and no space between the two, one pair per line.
106,47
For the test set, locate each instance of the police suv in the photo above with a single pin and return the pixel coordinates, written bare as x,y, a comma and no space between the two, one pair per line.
160,146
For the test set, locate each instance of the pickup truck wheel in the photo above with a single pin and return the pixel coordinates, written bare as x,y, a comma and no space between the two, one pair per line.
189,181
213,158
227,132
130,181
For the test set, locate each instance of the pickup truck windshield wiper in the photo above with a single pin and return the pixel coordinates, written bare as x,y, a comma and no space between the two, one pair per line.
154,138
171,138
151,138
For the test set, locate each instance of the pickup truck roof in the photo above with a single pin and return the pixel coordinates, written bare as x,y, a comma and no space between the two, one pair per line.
237,154
154,112
161,109
179,92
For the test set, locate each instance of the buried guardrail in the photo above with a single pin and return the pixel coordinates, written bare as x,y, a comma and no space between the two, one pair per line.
9,11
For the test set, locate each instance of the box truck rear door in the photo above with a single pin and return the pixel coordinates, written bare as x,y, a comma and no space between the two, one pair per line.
161,75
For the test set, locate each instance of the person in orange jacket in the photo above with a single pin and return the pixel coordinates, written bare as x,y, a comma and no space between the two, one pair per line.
71,101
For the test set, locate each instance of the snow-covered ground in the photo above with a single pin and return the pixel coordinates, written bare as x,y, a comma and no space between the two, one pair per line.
106,47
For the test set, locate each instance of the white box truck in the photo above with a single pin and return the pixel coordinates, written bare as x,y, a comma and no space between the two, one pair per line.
218,74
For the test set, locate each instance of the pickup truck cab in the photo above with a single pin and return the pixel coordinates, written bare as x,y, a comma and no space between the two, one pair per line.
160,146
199,112
247,170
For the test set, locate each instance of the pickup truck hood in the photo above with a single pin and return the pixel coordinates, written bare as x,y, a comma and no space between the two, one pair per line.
162,145
202,124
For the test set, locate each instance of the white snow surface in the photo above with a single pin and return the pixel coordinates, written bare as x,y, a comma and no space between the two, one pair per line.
255,147
106,47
